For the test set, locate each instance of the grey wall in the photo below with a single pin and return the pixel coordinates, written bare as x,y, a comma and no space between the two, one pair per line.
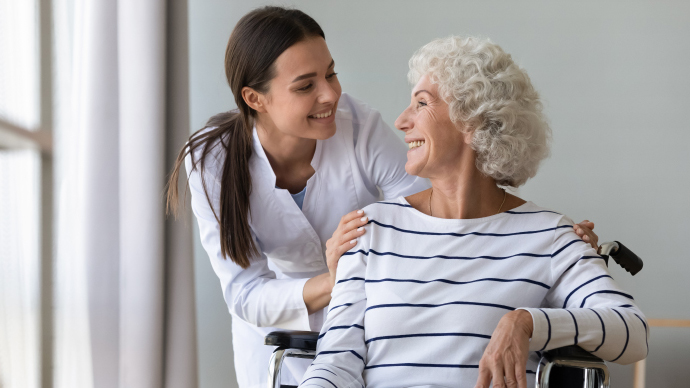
614,76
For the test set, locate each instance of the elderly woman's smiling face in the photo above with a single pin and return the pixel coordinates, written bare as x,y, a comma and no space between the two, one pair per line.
436,143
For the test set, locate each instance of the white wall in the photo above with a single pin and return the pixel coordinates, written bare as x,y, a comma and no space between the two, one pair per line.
614,76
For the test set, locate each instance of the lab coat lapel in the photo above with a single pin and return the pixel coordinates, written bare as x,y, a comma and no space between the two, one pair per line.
284,233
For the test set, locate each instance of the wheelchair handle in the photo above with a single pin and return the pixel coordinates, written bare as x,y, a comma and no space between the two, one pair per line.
622,255
595,370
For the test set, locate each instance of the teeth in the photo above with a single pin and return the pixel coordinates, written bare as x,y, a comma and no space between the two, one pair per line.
322,115
415,144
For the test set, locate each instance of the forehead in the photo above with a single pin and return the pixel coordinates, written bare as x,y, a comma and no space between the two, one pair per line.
308,56
425,85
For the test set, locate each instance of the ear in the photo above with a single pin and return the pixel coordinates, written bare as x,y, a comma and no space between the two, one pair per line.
254,99
467,132
468,135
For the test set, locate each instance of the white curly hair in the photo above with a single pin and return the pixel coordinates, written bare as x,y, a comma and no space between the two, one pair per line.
489,94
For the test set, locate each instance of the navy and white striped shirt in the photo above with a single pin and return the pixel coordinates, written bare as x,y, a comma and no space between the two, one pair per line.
417,299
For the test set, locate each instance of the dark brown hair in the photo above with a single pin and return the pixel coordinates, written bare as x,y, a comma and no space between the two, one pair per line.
254,45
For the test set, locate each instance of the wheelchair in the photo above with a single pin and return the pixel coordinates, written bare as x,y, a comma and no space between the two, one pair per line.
567,367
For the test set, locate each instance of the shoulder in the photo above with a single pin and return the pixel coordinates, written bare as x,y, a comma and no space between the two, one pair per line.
532,213
354,110
390,210
358,117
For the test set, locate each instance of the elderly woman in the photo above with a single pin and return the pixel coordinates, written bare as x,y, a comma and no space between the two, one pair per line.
464,284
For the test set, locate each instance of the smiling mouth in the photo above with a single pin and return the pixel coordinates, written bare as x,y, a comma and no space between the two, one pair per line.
321,115
415,144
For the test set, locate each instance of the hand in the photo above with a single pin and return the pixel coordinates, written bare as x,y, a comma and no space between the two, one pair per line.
505,358
345,236
585,230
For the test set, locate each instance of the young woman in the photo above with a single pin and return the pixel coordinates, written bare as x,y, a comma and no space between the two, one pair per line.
271,181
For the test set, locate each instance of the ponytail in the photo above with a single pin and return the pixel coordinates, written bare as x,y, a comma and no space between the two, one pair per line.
256,42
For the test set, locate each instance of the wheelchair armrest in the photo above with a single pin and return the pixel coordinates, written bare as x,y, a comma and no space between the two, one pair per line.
572,352
303,340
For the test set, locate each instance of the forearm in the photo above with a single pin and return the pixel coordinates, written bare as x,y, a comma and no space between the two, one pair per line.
617,334
317,292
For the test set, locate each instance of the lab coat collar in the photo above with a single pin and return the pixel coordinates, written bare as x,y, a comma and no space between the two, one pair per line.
264,166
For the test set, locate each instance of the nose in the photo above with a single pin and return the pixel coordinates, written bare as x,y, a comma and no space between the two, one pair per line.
404,121
329,93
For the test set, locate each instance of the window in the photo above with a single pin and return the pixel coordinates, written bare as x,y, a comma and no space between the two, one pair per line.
25,193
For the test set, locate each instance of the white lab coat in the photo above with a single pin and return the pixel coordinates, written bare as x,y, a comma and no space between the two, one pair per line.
362,157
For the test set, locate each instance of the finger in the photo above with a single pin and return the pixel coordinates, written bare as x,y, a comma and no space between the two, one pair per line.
521,375
346,246
591,238
353,215
484,378
334,258
498,375
354,224
353,234
587,224
578,230
509,371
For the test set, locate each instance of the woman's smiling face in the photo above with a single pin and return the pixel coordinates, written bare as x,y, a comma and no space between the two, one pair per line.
303,96
436,143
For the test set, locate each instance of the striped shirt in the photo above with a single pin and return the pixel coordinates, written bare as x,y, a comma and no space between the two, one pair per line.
417,299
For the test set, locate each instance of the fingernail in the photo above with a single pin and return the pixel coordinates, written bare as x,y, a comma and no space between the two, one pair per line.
353,241
360,229
363,219
360,211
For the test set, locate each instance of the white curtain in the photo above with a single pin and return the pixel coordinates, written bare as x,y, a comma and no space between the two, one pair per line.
124,313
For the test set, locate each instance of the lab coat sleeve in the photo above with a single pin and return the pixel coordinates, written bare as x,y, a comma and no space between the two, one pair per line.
382,156
252,294
586,307
341,352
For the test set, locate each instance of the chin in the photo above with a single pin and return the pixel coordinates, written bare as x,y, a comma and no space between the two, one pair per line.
327,133
412,169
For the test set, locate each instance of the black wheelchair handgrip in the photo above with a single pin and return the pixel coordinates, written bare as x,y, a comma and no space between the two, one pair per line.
303,340
627,259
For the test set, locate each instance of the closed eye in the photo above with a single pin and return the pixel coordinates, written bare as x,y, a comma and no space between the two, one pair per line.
305,88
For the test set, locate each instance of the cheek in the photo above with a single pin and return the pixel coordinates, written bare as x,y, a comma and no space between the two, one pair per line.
337,88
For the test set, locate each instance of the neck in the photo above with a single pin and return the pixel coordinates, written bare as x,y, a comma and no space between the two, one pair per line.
285,152
290,157
471,195
461,191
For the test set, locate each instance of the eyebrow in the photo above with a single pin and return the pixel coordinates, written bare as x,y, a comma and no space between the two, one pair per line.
309,75
419,91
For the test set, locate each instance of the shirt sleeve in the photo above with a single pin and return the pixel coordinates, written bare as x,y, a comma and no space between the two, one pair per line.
382,157
341,352
252,294
586,307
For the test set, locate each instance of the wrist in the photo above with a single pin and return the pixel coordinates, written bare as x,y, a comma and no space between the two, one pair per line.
327,283
524,319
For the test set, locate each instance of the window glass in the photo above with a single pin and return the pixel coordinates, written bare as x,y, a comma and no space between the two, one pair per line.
19,268
19,63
